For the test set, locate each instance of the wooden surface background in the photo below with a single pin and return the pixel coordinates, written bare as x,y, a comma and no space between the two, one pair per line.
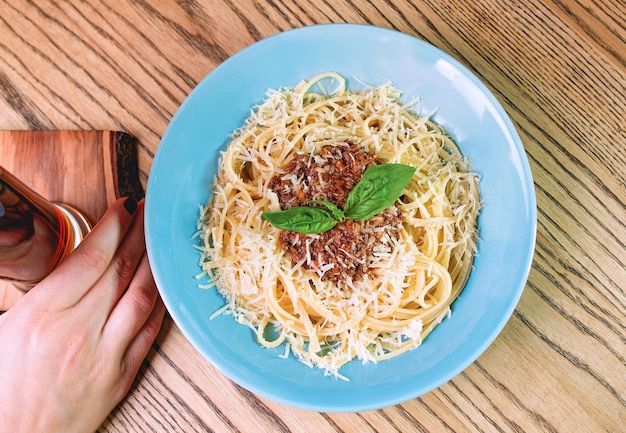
559,69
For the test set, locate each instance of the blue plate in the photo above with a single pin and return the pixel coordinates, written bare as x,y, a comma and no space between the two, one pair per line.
186,162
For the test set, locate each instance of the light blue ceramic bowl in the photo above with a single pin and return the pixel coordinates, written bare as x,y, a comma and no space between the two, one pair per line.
186,163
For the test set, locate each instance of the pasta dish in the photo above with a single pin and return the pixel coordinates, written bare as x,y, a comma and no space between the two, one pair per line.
367,289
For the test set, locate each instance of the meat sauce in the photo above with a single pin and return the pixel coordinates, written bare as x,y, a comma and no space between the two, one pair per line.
346,251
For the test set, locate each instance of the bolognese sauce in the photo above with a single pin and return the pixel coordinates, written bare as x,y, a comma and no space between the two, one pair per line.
345,251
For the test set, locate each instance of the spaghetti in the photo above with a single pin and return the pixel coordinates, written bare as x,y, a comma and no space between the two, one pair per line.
414,268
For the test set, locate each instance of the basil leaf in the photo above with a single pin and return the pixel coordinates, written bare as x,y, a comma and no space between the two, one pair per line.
379,188
302,219
337,213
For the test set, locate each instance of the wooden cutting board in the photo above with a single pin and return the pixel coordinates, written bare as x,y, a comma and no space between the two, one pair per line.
85,169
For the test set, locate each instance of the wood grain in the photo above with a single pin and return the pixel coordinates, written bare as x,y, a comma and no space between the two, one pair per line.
559,69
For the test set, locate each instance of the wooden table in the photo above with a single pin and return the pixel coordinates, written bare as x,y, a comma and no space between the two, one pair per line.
558,68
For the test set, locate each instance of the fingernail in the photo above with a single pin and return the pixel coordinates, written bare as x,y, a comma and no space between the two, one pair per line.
130,205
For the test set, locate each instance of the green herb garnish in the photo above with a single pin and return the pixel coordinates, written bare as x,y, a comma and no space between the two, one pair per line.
379,188
337,213
302,219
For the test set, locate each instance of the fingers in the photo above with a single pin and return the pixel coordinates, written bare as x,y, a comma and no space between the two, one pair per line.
103,297
136,318
140,346
75,276
133,308
138,350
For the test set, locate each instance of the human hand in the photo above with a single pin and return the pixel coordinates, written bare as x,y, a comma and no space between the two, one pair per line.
72,346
